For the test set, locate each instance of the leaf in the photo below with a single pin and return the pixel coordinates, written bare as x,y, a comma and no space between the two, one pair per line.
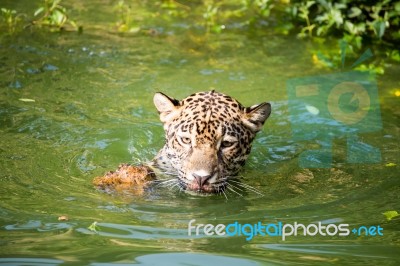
354,12
379,27
366,55
390,164
134,29
350,27
321,30
320,59
394,55
390,214
337,17
27,100
358,42
397,6
73,24
38,11
59,17
93,227
123,28
309,4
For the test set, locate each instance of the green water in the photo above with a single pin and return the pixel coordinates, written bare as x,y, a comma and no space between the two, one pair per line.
93,109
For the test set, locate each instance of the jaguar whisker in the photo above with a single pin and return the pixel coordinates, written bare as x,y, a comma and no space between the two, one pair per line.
234,191
245,186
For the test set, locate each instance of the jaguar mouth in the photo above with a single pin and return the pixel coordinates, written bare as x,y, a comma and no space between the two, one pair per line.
200,189
206,188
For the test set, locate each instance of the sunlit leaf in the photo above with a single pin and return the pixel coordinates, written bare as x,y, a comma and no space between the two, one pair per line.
349,27
59,17
38,11
390,215
337,17
93,227
309,3
73,24
134,29
27,100
123,28
312,109
354,12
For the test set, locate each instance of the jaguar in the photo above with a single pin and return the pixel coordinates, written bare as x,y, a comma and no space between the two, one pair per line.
208,137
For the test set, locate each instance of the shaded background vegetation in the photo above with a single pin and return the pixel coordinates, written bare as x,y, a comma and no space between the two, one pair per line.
358,23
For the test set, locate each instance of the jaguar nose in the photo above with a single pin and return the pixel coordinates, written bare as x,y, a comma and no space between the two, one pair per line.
201,180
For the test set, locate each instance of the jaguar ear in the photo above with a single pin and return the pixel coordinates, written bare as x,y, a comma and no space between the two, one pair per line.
255,116
167,107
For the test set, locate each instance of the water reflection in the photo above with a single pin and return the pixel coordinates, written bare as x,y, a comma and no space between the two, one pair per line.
39,226
172,259
354,250
30,262
135,231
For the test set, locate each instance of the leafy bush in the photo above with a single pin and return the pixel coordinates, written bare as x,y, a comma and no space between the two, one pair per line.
356,20
50,14
12,21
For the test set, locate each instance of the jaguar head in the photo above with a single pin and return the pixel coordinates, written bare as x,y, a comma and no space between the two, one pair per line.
208,138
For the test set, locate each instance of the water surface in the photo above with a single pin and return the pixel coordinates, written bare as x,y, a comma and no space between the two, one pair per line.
89,108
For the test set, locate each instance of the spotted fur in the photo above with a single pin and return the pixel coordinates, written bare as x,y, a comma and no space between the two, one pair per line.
208,138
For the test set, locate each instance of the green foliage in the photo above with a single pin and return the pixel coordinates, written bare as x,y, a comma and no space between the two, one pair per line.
216,15
210,16
355,21
303,11
173,8
344,57
125,22
257,10
93,227
53,15
12,20
50,14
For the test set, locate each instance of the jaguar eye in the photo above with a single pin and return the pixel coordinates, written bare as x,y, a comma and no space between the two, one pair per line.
185,140
226,144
